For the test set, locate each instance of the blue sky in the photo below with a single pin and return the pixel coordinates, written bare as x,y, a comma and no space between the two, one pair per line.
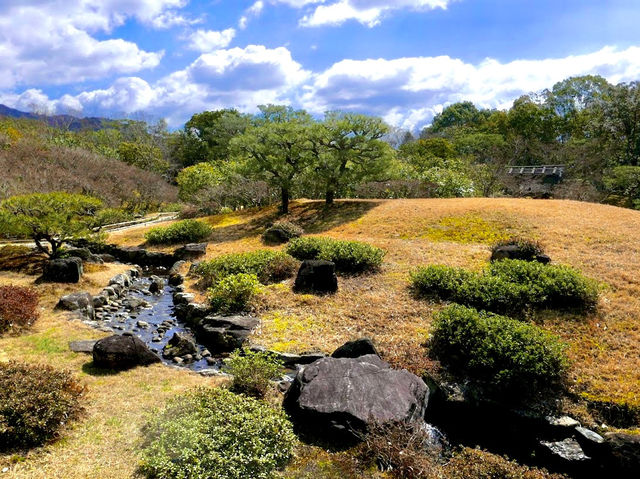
403,60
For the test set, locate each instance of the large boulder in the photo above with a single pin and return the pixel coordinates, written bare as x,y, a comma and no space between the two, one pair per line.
63,270
81,302
338,398
624,453
122,352
355,349
190,251
222,334
316,275
180,344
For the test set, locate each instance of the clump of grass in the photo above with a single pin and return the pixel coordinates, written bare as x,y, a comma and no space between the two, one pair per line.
348,256
509,286
18,307
215,433
501,353
467,229
185,231
233,293
268,266
253,371
35,402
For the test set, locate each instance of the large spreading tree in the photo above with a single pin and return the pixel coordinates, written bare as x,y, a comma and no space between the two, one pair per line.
51,218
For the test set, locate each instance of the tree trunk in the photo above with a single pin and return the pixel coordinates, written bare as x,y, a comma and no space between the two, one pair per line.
284,205
329,196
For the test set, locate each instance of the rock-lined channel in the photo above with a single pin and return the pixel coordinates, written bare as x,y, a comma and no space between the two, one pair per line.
151,317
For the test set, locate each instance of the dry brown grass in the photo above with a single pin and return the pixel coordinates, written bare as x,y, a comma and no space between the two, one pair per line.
600,240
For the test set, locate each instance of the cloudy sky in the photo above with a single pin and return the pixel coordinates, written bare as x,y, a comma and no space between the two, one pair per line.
400,59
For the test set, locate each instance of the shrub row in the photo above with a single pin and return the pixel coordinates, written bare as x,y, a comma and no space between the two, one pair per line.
185,231
509,286
505,354
18,307
35,401
268,266
349,256
215,433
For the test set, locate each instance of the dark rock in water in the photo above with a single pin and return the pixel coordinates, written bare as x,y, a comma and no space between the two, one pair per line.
81,302
100,300
85,346
191,251
225,333
63,270
157,285
132,303
176,277
514,251
180,344
122,352
337,398
355,349
623,453
121,279
316,275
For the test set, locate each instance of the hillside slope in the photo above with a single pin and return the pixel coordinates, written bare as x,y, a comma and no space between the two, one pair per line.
599,240
29,168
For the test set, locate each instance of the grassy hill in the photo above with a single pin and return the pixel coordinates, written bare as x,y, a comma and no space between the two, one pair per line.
599,240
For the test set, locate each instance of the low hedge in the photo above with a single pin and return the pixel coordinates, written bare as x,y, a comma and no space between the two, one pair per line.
504,353
18,307
348,256
233,293
185,231
207,433
269,266
35,402
508,286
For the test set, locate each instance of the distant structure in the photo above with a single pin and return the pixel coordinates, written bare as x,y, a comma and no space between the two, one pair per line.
535,180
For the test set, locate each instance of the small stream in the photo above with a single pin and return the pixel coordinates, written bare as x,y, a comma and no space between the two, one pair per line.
154,322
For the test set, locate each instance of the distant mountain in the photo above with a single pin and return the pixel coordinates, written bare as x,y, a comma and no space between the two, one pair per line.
67,121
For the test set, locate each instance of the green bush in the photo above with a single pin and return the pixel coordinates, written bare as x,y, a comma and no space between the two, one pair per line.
349,256
185,231
35,402
213,433
269,266
508,286
253,371
281,232
503,353
233,293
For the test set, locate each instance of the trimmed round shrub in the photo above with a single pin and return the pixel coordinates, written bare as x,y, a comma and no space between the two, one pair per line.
269,266
213,433
503,353
253,371
233,293
348,256
185,231
508,286
18,307
35,402
281,232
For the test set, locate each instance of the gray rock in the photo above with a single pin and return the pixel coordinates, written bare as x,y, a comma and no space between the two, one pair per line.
337,398
81,302
63,270
183,298
99,301
157,285
142,324
565,451
355,349
316,276
225,333
84,346
191,251
121,279
122,352
180,344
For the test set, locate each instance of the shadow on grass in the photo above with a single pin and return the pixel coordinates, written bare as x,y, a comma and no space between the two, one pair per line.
314,217
91,369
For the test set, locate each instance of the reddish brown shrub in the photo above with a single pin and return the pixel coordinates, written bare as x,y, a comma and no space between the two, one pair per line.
35,402
18,307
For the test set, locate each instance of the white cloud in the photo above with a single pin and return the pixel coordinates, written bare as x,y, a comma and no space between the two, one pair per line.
253,11
208,40
407,92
